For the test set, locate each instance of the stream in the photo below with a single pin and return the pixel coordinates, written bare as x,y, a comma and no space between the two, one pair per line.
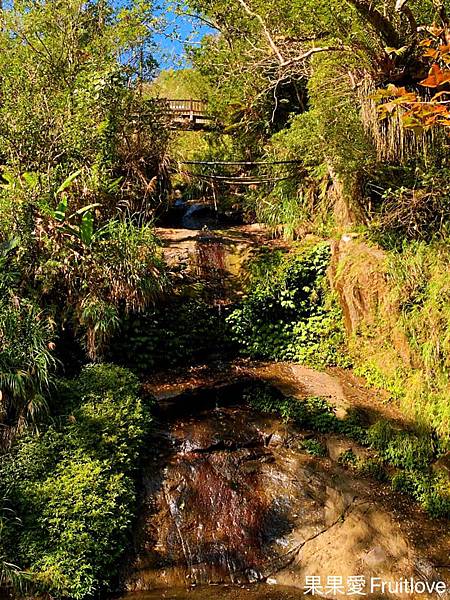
233,505
257,592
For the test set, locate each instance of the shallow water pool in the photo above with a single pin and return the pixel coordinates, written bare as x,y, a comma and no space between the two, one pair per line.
263,592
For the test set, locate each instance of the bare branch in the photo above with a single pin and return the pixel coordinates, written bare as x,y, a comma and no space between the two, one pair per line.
202,20
312,51
400,6
272,44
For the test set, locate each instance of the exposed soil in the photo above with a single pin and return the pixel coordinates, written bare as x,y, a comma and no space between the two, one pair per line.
341,387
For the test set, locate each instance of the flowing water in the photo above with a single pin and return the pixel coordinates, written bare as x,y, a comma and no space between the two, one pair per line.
264,592
232,497
231,500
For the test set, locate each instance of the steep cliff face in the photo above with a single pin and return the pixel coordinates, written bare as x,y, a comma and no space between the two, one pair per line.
397,324
359,274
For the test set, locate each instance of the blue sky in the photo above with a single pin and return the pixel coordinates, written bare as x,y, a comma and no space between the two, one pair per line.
179,28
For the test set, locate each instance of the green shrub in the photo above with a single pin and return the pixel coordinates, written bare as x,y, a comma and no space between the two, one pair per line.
348,458
314,447
84,513
173,333
432,491
290,314
373,467
72,485
313,412
411,453
404,449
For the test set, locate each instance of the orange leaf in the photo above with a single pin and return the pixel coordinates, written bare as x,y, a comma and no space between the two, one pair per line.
431,53
434,79
436,31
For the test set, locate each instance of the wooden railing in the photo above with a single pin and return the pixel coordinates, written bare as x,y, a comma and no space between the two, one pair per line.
190,107
191,114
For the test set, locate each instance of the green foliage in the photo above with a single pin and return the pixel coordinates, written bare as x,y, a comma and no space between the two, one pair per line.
375,377
312,412
432,491
171,334
72,484
84,513
401,448
374,468
119,270
417,274
26,362
409,453
348,458
290,314
299,203
314,447
82,158
180,84
413,453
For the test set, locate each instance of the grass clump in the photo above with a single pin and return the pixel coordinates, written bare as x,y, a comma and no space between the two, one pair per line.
405,349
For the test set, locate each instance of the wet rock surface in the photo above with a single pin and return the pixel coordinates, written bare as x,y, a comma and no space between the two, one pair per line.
232,497
219,255
257,592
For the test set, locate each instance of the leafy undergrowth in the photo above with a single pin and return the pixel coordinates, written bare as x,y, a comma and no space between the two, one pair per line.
71,490
407,351
402,457
175,333
290,312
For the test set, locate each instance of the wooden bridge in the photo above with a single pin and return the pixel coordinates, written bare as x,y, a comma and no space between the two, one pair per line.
189,114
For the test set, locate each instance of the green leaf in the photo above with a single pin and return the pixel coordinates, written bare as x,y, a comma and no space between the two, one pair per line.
9,178
32,179
60,213
6,247
87,228
65,184
85,209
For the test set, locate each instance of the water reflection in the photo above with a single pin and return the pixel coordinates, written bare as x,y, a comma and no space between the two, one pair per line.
260,592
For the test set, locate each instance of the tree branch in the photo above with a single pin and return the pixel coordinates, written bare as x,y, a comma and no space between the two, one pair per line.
379,22
401,7
272,44
202,20
312,51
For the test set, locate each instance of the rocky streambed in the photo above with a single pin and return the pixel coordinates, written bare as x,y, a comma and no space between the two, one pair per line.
233,505
232,497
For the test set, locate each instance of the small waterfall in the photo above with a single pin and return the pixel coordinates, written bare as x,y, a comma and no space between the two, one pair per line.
211,262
